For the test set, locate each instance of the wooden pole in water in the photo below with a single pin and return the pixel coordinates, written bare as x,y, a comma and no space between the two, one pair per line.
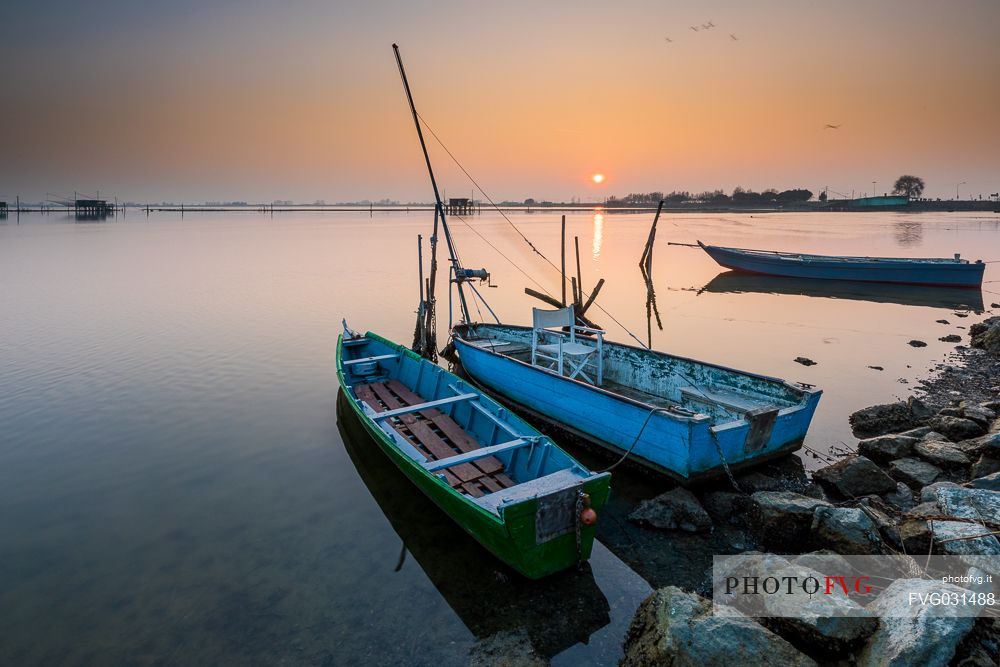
579,275
562,254
647,253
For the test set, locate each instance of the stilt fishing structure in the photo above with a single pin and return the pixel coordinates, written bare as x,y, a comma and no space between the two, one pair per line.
646,268
576,284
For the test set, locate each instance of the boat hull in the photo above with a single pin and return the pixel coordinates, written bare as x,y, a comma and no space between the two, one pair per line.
684,448
510,537
916,272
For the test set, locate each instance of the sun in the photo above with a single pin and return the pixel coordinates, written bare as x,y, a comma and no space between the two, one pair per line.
597,178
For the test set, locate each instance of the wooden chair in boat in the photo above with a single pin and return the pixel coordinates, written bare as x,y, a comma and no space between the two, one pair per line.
567,354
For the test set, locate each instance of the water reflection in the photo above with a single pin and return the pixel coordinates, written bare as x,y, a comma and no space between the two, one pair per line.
598,235
557,612
909,233
906,295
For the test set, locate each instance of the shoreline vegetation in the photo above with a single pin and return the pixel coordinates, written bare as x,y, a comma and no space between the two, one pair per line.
618,207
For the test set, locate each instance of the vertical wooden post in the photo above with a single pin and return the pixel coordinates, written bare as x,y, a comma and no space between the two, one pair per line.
562,254
647,253
579,275
576,297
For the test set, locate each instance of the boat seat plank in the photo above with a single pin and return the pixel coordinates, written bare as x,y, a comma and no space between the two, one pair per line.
378,357
471,457
727,399
449,427
427,405
438,448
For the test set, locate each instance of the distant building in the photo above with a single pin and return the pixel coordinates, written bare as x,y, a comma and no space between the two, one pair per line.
879,202
460,206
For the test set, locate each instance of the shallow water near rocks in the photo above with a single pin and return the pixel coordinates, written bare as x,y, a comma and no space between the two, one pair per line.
175,487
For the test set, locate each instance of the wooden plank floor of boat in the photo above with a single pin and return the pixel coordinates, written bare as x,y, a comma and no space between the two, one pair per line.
436,436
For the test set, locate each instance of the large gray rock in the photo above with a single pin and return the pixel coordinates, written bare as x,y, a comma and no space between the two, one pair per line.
676,509
673,628
986,335
827,623
885,448
960,538
926,635
957,428
913,472
989,482
976,447
782,518
928,494
889,418
855,476
846,530
978,413
941,454
965,503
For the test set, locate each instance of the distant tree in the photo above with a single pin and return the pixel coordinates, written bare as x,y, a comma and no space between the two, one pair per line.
911,186
800,194
678,197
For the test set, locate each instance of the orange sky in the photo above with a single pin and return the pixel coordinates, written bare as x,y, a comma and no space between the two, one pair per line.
249,101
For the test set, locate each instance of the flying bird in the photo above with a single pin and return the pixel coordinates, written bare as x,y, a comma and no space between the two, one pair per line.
708,26
831,126
669,41
734,37
695,28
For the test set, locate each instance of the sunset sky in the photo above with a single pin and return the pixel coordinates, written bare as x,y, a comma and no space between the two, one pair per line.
192,101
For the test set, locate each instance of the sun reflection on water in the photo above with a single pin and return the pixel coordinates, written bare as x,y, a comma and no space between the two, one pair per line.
598,235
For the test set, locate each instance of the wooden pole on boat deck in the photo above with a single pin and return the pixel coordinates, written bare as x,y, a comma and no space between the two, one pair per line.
420,264
562,254
576,294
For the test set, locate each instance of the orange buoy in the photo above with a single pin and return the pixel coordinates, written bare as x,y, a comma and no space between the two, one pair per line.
588,517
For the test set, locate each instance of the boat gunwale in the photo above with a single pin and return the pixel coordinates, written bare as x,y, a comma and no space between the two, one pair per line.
696,418
384,438
806,257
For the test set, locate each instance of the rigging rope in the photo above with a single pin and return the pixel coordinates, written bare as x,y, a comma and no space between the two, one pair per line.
521,234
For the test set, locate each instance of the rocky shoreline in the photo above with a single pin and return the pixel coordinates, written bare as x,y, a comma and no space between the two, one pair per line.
925,479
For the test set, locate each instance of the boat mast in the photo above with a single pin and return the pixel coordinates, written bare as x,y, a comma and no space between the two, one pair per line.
459,273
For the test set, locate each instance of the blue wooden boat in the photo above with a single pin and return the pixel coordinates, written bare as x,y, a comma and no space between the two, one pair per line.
511,488
684,418
945,272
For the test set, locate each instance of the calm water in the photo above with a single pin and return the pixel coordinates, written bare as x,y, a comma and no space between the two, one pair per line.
175,487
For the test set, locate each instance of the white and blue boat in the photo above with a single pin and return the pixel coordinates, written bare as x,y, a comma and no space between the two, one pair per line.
687,419
681,417
928,271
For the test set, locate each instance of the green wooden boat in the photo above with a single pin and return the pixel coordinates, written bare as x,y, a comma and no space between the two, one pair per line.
511,488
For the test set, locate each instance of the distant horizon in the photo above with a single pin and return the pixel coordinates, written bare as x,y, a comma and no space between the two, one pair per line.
193,101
